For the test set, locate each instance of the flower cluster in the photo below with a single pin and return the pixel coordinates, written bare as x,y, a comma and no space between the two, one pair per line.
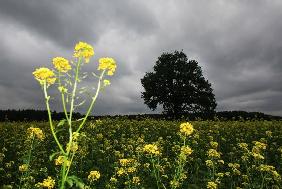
107,64
44,75
186,129
23,168
257,150
212,185
83,50
186,150
47,183
61,64
62,159
35,132
93,176
151,149
212,153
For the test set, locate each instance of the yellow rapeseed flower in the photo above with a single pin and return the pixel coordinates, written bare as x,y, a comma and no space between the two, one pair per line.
107,64
59,160
209,163
73,147
23,168
121,171
151,149
61,64
35,132
186,150
212,153
213,144
84,50
260,145
106,82
44,75
136,180
186,129
211,185
131,169
94,175
266,168
113,179
47,183
125,162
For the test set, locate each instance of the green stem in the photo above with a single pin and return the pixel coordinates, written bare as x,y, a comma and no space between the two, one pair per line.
68,169
63,175
93,102
63,99
154,171
28,161
74,88
50,118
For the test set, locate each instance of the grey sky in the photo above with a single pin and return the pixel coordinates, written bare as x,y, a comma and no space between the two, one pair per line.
237,43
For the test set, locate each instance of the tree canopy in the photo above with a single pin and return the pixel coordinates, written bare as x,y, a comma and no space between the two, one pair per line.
178,85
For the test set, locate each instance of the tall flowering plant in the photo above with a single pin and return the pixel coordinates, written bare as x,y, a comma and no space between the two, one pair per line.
67,76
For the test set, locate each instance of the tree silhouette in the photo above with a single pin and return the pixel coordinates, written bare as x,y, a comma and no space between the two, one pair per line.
178,85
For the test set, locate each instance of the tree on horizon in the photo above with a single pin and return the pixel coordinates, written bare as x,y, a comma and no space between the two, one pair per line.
178,85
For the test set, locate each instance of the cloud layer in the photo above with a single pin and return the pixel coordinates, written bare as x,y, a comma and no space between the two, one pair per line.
237,44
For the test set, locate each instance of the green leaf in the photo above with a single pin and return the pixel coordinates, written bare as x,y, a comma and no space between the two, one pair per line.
62,122
51,157
69,181
78,182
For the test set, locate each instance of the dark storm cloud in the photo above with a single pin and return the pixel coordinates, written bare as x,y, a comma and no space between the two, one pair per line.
237,43
69,21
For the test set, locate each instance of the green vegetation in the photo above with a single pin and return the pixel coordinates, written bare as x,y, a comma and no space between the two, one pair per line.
122,153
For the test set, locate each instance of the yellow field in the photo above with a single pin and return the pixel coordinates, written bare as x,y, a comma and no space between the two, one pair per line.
148,154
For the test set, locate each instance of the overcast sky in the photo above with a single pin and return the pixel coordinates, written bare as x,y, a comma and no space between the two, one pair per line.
237,43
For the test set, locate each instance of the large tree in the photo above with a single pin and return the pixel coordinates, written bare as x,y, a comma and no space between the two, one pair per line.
178,85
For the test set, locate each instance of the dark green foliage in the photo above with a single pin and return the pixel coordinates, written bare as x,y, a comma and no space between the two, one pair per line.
178,85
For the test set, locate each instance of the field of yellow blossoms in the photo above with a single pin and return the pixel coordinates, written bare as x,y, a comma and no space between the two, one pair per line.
123,153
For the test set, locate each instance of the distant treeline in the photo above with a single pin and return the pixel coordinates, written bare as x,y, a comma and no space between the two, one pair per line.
41,115
32,115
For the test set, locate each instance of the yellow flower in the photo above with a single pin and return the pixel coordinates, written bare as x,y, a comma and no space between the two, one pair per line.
243,146
220,161
51,81
125,162
260,145
75,135
186,150
107,64
106,82
61,64
35,132
212,153
209,163
151,149
94,175
113,179
268,133
186,129
84,50
136,180
62,89
120,172
23,168
59,160
44,75
266,168
73,147
214,144
47,183
131,169
212,185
